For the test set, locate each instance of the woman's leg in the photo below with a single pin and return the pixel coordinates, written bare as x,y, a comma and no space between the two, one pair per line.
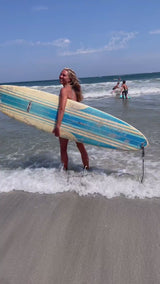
63,149
84,155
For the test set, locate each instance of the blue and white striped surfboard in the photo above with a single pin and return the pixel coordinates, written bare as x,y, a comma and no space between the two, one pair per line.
80,123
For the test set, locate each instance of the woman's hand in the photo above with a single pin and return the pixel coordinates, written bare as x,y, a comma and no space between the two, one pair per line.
56,131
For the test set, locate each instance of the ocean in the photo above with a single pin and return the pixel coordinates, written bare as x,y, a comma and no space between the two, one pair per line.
30,159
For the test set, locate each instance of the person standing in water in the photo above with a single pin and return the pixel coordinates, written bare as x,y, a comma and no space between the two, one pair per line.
124,89
71,90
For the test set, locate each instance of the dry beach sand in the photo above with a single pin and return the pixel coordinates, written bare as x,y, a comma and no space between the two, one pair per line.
69,239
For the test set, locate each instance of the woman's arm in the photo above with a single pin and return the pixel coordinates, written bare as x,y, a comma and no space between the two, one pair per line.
61,109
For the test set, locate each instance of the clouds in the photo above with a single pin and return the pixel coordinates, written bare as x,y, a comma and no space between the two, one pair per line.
61,43
39,8
118,40
63,46
155,32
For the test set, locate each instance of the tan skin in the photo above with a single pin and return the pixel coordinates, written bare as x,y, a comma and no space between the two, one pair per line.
124,87
67,93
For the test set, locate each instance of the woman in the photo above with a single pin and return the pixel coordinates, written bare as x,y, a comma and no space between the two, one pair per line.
71,90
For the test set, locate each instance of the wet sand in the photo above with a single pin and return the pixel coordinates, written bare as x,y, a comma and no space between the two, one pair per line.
68,239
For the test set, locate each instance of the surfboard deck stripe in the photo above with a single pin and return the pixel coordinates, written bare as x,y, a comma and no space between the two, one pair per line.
80,123
89,112
97,119
75,130
91,139
73,122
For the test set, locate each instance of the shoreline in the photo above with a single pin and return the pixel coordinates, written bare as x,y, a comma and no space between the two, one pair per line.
72,239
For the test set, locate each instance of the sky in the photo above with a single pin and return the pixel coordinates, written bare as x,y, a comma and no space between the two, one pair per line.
93,37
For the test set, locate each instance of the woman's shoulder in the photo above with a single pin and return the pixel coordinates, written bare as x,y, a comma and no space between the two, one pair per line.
68,92
63,92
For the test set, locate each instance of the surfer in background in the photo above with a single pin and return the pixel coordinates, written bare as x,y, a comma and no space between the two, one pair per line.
71,90
117,89
116,86
124,89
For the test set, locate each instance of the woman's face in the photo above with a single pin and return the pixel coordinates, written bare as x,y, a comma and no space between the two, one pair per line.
64,77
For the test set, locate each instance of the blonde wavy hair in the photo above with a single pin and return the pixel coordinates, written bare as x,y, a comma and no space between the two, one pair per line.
75,83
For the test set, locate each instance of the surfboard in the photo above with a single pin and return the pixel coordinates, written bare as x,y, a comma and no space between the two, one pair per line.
121,97
80,123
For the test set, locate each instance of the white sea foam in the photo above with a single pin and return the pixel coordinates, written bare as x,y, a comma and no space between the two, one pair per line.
84,183
137,88
105,90
112,174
